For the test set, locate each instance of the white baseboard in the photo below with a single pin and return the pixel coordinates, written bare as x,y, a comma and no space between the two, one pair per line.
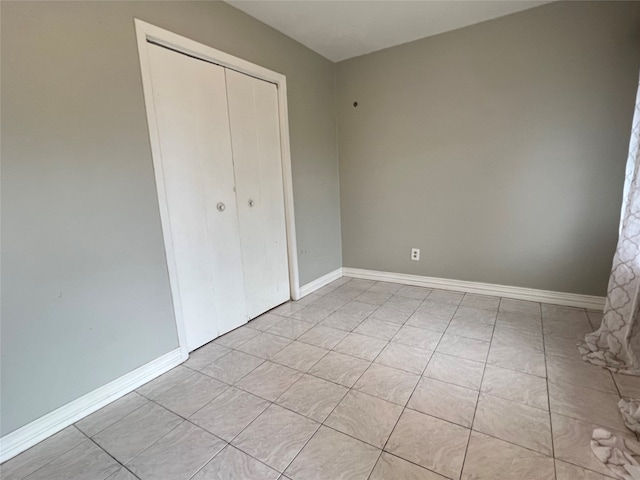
533,295
318,283
25,437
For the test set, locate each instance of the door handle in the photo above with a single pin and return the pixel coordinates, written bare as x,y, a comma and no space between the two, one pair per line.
221,207
251,203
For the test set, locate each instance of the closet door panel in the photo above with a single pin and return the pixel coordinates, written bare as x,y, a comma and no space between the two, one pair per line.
193,127
255,135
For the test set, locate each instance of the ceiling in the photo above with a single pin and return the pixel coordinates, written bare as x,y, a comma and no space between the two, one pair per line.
341,29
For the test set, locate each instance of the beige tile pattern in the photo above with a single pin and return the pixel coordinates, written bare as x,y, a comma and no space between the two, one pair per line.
276,436
340,368
516,386
312,397
513,422
365,417
409,370
334,455
404,357
444,400
233,464
177,455
456,370
491,459
387,383
430,442
390,467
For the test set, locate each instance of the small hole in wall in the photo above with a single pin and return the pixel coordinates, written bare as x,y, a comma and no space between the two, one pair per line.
355,104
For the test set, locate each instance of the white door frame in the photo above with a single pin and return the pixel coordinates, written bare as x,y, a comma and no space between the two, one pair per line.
146,32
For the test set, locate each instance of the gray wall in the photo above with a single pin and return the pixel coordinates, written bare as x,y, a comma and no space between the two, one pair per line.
85,294
498,149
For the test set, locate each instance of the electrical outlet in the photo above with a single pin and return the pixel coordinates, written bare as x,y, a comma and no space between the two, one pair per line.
415,254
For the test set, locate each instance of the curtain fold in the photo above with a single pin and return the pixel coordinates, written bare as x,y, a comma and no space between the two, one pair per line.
616,344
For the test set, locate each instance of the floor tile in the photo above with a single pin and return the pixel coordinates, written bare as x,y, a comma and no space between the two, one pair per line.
361,346
430,442
373,298
390,467
287,308
558,312
164,382
269,380
492,459
188,397
464,347
134,433
595,319
628,385
564,371
265,321
470,329
571,442
300,356
404,304
456,370
517,338
419,293
391,313
586,404
98,421
178,455
425,319
229,413
324,337
84,462
484,302
266,345
566,471
329,302
573,329
41,454
205,355
342,321
404,357
513,422
387,383
340,368
356,309
417,337
378,328
233,464
289,328
237,337
520,306
347,291
444,400
333,455
515,386
436,309
276,436
364,417
513,358
385,287
233,366
312,314
562,347
312,397
445,297
524,323
122,474
478,315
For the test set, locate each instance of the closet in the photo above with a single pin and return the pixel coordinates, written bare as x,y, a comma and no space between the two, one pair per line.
221,162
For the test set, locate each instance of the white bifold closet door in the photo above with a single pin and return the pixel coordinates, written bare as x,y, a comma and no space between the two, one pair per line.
255,137
221,163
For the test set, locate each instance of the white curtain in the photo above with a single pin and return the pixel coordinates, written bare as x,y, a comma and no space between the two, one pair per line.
616,344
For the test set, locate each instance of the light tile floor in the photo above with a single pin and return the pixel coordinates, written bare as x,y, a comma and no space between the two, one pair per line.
360,380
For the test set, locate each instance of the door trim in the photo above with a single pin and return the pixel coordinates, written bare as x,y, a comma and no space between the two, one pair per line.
145,32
